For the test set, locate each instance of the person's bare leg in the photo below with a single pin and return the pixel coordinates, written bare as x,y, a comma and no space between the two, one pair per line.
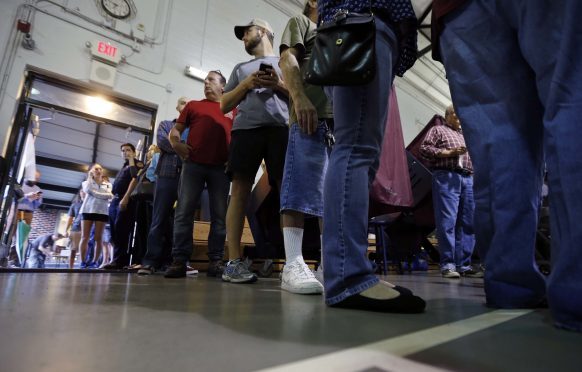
99,227
241,189
75,239
106,254
72,259
85,234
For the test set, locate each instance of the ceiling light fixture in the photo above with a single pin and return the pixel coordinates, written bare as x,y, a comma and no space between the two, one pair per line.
195,73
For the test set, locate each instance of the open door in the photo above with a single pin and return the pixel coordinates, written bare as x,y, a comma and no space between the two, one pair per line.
15,150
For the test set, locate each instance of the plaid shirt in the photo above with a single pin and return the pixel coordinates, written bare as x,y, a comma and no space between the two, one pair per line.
398,12
169,163
443,137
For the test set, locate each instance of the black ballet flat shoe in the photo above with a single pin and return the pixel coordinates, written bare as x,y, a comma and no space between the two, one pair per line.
406,303
402,290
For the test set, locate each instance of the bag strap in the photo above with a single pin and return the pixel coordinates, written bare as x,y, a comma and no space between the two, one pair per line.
142,174
320,20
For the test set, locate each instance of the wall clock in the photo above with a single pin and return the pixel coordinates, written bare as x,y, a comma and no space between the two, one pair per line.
119,9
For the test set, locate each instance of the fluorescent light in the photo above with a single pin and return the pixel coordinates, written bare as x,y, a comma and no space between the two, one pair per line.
195,73
98,106
34,91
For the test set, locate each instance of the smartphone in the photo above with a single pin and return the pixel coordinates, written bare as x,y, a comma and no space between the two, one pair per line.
264,67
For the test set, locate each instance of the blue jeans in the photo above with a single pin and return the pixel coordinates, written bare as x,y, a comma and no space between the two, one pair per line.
36,259
452,197
161,229
121,223
515,75
305,168
360,114
192,180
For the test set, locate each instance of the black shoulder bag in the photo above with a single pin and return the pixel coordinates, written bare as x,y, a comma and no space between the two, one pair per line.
144,190
344,51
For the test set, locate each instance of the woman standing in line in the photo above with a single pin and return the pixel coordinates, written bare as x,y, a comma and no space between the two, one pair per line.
95,212
74,227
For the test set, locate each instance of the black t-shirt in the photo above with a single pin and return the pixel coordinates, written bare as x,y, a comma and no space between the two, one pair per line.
123,178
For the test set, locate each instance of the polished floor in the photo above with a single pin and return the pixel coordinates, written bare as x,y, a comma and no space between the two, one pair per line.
121,322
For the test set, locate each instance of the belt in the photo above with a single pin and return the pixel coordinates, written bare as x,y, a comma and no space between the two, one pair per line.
461,171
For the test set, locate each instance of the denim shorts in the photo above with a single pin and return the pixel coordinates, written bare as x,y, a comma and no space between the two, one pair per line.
305,167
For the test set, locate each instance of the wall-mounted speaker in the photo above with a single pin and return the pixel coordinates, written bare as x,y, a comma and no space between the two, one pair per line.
102,73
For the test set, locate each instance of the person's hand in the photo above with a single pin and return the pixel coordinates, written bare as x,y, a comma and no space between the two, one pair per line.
123,204
253,81
183,150
268,79
460,150
306,114
33,195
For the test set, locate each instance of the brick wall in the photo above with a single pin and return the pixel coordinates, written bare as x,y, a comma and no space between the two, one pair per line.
44,222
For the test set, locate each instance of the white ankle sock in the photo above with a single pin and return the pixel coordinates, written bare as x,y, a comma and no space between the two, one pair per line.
293,238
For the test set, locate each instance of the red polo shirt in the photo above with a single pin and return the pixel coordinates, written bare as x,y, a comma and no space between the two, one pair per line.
209,134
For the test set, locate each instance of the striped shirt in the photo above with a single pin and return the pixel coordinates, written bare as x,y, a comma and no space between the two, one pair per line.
443,137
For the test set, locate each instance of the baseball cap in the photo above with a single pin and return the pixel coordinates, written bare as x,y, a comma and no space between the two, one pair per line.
239,31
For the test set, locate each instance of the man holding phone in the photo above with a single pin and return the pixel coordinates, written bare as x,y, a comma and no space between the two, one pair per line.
259,132
30,201
452,190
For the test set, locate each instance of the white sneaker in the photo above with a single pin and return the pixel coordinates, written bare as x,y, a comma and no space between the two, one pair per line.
319,274
450,274
298,278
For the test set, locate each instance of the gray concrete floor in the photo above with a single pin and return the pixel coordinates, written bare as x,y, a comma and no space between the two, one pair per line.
122,322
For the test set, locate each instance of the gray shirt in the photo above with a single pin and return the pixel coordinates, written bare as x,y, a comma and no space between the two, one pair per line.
261,107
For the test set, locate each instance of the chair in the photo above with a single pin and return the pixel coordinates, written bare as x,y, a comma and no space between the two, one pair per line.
379,224
406,226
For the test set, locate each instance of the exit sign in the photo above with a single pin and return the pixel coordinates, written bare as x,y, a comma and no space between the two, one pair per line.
106,52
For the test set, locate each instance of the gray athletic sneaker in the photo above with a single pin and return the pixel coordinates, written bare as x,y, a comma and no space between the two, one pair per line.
238,272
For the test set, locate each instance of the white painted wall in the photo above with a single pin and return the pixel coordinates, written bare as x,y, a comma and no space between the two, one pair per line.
182,32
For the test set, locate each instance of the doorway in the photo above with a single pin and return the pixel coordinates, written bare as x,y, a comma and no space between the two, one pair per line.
60,129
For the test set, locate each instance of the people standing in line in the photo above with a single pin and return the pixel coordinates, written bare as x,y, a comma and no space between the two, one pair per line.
167,174
360,114
107,251
515,74
73,228
122,208
452,190
259,132
204,156
95,214
311,123
143,205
